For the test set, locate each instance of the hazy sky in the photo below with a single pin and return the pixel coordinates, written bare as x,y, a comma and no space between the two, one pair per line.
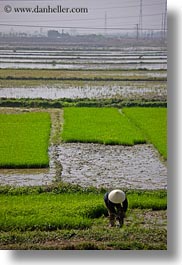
117,14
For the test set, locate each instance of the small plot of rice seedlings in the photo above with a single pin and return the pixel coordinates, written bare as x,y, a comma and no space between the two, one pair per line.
109,126
24,140
153,122
99,125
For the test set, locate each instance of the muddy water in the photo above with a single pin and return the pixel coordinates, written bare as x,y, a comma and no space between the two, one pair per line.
136,167
89,66
134,91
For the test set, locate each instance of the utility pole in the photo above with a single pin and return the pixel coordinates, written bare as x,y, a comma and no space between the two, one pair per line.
105,24
162,27
165,19
137,31
140,17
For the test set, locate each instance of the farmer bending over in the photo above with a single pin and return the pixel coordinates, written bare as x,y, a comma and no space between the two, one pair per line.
117,204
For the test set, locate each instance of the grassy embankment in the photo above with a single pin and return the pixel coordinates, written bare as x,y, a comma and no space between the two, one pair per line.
89,75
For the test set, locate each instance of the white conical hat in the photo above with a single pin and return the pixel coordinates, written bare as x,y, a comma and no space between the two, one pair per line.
117,196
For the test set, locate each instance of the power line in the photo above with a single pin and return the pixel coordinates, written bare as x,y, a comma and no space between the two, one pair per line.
74,27
89,19
97,8
114,7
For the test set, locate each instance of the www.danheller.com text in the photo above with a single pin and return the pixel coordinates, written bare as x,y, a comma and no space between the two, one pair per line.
47,9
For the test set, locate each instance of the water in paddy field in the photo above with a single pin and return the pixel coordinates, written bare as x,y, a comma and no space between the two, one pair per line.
92,66
94,59
92,92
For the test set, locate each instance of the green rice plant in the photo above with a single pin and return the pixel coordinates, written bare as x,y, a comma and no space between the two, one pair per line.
99,125
156,200
45,211
48,211
24,140
153,123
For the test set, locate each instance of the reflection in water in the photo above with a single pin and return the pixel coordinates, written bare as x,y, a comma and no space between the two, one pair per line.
133,90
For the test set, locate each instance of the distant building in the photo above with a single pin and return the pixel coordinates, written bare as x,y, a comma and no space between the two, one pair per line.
53,34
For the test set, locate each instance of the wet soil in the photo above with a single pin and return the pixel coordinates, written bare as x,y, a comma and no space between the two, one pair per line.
29,177
137,167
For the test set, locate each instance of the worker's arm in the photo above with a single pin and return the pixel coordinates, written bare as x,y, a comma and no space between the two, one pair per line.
125,205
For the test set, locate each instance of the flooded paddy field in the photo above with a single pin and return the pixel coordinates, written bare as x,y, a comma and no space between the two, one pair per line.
87,52
154,58
91,90
137,167
54,65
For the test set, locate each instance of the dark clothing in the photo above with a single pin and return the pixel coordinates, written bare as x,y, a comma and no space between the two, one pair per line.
110,205
116,210
113,206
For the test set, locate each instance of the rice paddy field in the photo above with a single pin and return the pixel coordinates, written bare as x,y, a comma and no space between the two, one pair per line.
76,123
154,123
129,58
103,125
24,140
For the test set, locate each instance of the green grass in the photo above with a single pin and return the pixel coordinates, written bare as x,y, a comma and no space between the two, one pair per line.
153,123
24,140
99,125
